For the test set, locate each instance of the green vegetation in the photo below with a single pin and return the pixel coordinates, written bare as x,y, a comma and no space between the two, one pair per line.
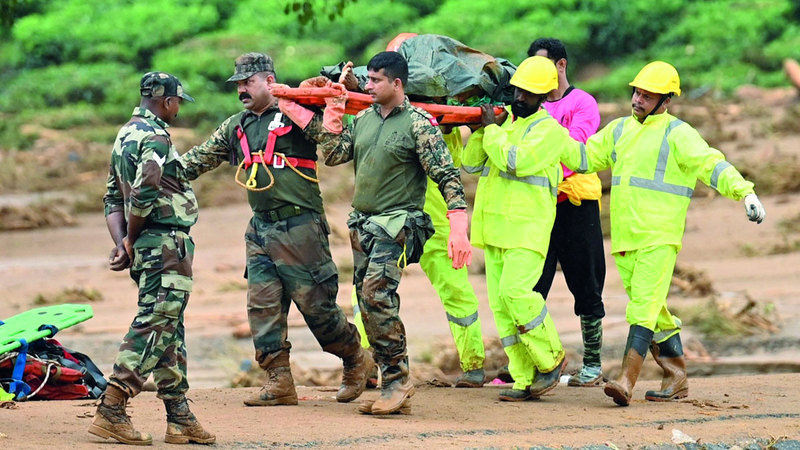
69,69
60,53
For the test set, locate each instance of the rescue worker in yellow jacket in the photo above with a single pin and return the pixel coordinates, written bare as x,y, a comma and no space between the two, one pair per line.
518,157
656,160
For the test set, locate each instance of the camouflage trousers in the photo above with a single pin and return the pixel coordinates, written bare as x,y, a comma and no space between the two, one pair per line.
162,268
290,260
378,265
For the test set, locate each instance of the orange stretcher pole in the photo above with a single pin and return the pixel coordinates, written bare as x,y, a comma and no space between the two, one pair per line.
356,101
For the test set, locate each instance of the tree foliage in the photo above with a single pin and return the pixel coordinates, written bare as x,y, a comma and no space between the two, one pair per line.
57,52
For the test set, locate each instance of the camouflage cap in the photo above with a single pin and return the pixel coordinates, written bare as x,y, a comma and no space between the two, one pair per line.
162,84
250,64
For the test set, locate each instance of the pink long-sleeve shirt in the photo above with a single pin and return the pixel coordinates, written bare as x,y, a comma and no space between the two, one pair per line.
576,111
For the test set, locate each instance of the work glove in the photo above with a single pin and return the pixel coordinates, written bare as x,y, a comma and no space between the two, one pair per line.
458,246
334,110
754,209
298,114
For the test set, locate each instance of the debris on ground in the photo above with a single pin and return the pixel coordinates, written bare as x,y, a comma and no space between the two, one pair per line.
679,437
691,282
69,295
731,316
30,217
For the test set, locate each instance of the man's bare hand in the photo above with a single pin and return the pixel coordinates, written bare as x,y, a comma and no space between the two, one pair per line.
488,116
118,259
348,78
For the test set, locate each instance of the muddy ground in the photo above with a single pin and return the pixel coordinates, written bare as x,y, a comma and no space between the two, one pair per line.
742,385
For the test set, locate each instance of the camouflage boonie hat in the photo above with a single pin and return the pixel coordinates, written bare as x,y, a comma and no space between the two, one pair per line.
162,84
250,64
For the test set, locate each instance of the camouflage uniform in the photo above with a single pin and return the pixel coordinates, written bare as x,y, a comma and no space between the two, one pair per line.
288,255
147,179
393,157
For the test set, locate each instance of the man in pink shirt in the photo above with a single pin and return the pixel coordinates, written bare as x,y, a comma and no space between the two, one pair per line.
576,240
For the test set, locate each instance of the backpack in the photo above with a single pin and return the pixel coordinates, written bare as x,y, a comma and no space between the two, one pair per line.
51,372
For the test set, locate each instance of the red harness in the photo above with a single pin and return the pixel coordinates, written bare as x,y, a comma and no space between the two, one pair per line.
268,156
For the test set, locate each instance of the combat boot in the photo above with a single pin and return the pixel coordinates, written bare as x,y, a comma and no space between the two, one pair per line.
544,382
182,425
393,397
365,407
635,350
278,390
354,376
591,373
669,356
111,420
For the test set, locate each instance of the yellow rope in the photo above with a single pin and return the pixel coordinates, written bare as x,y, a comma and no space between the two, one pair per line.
250,184
403,258
302,175
251,181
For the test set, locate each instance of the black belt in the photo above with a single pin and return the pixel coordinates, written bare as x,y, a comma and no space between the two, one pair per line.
165,229
282,213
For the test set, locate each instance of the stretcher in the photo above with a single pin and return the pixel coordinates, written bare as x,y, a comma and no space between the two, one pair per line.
357,101
19,330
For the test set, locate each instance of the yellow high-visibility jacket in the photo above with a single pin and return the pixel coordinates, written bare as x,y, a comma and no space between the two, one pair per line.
515,203
655,167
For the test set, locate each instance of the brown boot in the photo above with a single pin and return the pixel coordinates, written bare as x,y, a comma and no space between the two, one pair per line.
111,421
365,407
278,390
393,397
182,425
674,384
638,341
354,376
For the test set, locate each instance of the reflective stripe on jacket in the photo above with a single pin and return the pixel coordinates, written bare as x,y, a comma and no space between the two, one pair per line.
655,166
520,171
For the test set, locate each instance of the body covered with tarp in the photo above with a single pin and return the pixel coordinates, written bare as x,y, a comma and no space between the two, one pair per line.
440,67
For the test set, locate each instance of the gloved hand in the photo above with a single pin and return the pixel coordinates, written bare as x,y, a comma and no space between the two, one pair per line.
297,113
458,246
754,209
294,111
334,110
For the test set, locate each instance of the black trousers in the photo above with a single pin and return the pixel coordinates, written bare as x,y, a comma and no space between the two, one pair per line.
576,242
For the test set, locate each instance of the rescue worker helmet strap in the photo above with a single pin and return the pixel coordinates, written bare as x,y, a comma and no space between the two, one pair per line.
537,75
658,77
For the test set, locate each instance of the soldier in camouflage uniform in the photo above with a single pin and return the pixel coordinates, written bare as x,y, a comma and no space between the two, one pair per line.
288,255
395,148
149,208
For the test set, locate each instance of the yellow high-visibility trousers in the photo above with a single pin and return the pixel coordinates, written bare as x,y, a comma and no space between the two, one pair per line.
646,274
452,286
526,330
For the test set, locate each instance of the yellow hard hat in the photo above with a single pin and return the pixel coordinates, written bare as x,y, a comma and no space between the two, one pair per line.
537,75
658,77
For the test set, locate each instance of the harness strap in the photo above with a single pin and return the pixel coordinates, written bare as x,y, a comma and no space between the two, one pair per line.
267,157
17,386
269,152
245,146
